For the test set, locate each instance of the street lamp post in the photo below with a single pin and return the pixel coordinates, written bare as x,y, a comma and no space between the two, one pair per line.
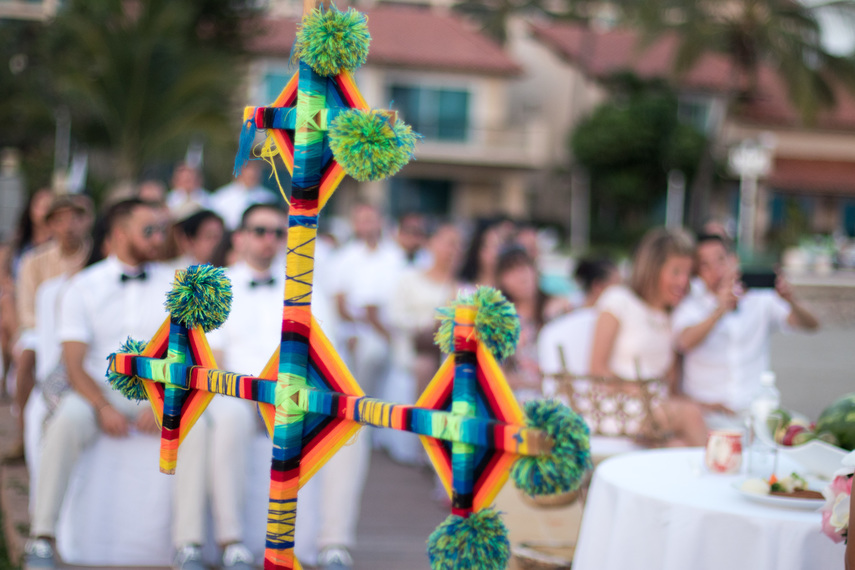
751,160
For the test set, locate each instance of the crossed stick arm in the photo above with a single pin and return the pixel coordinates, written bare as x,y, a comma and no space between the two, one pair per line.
442,425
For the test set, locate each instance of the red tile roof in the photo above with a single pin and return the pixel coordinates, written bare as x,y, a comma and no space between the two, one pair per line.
411,37
772,107
813,176
603,53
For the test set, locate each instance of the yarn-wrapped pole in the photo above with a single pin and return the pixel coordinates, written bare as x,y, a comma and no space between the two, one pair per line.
463,404
296,321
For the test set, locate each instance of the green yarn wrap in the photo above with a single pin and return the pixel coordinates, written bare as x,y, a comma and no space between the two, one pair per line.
479,541
201,296
369,146
562,470
131,387
496,322
331,41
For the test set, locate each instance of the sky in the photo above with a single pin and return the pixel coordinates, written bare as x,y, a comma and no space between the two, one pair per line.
838,34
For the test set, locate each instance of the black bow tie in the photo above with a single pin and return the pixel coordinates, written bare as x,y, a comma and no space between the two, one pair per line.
262,282
141,276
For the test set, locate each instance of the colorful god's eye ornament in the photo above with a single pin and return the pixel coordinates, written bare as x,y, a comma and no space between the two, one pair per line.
468,420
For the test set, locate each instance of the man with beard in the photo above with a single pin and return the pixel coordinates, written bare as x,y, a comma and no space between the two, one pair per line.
105,303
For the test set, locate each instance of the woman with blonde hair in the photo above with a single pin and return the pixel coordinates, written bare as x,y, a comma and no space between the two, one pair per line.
633,336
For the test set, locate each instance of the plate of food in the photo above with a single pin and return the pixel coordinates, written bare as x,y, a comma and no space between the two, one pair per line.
792,492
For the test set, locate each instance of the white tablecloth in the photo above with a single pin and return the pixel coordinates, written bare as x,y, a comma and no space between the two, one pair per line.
660,510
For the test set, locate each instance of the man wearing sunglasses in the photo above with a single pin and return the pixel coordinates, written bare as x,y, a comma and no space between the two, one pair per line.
103,304
244,344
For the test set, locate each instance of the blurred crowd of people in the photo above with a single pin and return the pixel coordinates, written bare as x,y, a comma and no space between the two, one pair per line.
76,284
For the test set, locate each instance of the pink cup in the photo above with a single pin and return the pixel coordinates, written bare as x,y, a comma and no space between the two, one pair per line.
724,451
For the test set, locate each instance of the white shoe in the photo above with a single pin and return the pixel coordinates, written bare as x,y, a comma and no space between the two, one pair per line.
237,557
39,555
189,557
335,558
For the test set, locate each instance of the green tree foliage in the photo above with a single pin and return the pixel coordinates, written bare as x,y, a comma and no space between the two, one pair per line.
782,34
493,15
629,145
144,78
26,121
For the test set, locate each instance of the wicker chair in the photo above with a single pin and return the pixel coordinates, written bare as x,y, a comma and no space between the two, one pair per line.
614,407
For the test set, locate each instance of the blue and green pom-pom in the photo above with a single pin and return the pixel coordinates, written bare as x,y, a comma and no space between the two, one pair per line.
564,469
131,387
479,541
371,145
331,41
201,296
496,322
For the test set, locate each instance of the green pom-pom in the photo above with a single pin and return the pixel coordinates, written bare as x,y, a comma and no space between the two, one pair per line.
369,146
331,41
479,541
201,296
496,322
564,469
131,387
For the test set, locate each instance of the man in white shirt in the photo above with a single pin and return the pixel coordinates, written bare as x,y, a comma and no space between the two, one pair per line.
187,190
412,237
232,200
244,344
366,273
724,332
105,303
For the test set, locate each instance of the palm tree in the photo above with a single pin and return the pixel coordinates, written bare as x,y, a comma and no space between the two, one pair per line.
145,78
784,35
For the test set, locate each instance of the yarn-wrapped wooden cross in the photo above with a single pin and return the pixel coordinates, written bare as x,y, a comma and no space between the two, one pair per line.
470,424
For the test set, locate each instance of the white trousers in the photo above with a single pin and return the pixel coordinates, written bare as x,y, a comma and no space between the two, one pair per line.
233,426
343,477
73,427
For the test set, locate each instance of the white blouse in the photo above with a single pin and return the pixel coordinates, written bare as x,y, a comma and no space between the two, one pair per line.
642,347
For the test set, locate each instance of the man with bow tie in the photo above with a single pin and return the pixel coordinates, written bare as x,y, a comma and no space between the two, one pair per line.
244,344
120,296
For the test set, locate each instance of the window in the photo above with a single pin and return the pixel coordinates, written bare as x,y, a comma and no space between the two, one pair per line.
695,111
431,197
439,114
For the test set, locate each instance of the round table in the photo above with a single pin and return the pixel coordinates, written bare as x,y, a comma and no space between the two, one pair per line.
661,510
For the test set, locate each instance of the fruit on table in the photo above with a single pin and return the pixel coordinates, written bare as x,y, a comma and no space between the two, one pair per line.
790,434
838,421
790,429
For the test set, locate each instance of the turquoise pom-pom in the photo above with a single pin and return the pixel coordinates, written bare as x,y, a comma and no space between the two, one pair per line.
479,541
496,322
564,469
331,41
369,145
201,296
131,387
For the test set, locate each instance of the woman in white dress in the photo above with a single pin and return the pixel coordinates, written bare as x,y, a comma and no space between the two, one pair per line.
633,337
412,314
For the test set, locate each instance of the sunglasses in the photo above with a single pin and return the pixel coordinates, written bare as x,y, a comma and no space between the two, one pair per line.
149,231
261,231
